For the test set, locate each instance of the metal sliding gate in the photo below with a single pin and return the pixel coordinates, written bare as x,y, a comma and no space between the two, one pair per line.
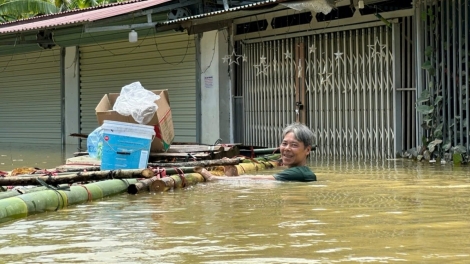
338,83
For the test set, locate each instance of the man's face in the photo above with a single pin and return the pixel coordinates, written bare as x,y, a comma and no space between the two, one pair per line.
293,152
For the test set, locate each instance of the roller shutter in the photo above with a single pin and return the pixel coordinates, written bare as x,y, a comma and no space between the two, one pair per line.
164,62
30,105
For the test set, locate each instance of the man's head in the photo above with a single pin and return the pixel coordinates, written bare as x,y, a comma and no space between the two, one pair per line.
297,140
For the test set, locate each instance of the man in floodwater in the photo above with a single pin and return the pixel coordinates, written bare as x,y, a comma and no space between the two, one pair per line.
295,147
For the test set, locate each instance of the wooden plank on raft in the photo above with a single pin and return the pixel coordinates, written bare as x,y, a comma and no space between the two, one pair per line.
179,155
201,163
192,148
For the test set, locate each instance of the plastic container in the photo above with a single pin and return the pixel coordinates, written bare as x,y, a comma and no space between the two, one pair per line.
125,145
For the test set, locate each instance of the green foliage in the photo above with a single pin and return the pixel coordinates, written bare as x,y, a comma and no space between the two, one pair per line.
11,10
433,144
19,9
429,105
424,97
425,109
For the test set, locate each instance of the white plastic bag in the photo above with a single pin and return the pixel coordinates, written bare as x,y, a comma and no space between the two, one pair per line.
134,100
94,143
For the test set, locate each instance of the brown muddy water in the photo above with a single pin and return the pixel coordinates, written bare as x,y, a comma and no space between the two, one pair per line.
358,212
44,156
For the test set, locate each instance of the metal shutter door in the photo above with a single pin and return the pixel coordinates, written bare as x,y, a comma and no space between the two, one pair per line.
30,104
165,62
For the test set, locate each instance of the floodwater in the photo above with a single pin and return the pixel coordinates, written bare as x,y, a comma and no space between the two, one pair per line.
44,156
358,212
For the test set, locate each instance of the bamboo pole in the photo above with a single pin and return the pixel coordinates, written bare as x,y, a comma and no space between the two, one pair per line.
200,163
53,200
162,185
142,185
14,193
170,171
78,177
176,181
79,169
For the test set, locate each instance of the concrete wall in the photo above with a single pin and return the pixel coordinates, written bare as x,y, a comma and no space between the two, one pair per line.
71,94
215,88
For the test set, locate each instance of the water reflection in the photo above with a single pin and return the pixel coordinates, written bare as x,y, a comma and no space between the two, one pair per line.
14,155
358,212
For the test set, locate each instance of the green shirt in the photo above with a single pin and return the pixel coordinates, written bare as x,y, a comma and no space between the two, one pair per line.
298,173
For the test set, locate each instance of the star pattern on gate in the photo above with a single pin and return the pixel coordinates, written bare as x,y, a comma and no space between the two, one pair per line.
377,48
262,67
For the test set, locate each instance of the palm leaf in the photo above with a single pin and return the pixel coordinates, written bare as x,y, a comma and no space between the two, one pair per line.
26,8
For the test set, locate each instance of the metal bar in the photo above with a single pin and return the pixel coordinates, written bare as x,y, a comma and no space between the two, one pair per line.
349,83
419,84
396,83
313,87
291,86
405,89
404,81
321,101
197,40
441,58
274,93
286,82
89,29
453,71
412,97
357,89
365,90
282,80
262,102
437,62
334,38
247,95
378,80
449,73
328,104
342,97
269,98
461,84
373,99
303,91
62,97
278,87
256,102
383,84
467,70
297,65
390,109
259,102
251,129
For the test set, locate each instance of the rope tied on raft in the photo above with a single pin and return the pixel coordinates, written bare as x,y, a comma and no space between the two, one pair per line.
181,175
46,172
126,181
159,171
90,196
111,174
56,190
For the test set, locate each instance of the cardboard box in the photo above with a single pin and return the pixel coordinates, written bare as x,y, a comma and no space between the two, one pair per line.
162,120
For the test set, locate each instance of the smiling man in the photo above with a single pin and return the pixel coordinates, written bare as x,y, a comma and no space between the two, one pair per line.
297,140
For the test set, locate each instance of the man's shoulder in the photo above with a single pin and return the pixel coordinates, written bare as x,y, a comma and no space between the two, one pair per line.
297,173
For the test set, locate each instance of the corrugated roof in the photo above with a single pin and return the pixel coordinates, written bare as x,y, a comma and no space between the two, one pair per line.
78,16
238,8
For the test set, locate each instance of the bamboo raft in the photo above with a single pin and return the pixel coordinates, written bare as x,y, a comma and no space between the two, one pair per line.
69,185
